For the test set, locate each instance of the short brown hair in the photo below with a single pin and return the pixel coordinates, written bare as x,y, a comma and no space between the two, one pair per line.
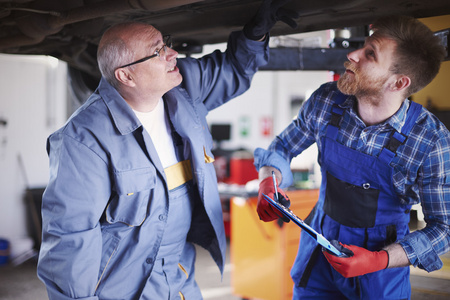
419,52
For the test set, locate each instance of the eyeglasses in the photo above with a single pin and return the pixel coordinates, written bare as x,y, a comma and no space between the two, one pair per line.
167,40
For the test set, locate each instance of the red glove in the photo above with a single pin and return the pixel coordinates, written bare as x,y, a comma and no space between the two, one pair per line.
267,212
362,262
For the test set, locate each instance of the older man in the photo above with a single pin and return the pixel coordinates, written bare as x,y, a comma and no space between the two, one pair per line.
132,185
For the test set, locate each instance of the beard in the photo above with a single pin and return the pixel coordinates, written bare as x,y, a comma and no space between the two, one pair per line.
361,84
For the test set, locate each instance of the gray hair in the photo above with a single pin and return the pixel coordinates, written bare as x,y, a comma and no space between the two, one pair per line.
110,55
116,47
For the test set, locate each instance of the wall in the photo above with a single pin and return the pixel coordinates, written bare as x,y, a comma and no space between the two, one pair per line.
269,100
33,101
438,90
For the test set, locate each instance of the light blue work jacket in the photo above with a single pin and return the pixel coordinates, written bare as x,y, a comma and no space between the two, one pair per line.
105,175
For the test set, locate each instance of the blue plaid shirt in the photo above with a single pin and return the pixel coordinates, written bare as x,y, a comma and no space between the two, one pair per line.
421,171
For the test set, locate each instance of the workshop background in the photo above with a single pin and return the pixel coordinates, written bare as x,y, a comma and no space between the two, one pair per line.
36,100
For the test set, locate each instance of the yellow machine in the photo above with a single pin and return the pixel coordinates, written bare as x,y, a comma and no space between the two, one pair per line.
262,253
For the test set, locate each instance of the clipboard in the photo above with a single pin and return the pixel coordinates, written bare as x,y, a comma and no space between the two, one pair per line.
305,227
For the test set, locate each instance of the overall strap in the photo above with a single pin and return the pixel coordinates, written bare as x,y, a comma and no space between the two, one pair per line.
336,116
413,113
397,139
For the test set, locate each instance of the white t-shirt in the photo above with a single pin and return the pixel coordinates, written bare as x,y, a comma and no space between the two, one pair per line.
158,127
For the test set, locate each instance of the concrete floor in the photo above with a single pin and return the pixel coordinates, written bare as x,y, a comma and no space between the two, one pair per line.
21,283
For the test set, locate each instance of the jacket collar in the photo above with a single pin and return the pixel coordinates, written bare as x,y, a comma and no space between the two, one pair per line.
122,114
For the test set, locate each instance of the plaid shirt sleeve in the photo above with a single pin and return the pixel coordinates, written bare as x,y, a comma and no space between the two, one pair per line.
424,246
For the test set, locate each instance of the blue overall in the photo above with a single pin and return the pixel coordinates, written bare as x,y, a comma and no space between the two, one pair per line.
173,275
358,206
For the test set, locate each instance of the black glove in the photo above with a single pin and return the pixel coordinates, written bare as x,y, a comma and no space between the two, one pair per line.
286,203
268,14
347,252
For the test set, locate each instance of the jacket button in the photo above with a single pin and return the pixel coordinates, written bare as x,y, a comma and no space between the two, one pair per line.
162,217
407,211
149,260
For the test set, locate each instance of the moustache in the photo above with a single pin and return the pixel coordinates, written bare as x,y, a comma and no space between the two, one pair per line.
349,66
